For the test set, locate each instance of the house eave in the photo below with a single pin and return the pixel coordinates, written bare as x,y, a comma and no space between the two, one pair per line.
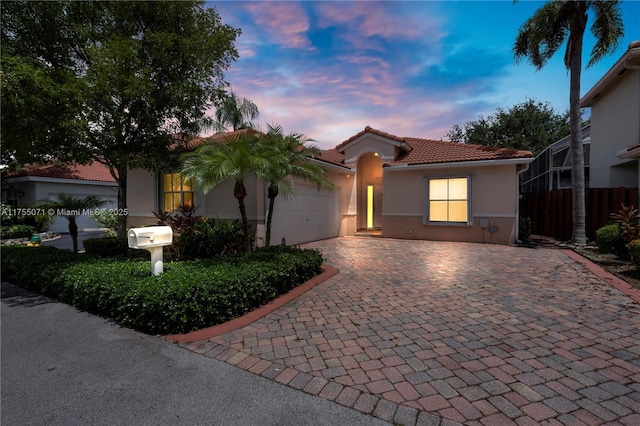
335,167
59,180
622,64
626,153
461,164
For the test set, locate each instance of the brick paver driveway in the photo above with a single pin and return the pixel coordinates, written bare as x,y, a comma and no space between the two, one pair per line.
419,332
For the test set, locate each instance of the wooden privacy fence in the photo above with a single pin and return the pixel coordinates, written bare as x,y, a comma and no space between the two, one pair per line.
550,212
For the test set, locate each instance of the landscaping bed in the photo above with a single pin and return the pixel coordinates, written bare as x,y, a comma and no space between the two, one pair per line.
189,295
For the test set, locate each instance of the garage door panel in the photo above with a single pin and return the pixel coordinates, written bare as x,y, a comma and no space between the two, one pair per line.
309,215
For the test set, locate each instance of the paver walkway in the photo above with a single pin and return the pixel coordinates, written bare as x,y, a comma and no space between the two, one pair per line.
420,332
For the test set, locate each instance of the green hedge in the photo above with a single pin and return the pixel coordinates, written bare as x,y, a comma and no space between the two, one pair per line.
113,247
187,296
16,231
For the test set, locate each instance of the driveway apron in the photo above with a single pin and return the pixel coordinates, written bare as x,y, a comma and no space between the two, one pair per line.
420,332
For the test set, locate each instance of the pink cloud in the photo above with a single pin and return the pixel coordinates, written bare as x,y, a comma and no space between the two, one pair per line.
284,22
383,19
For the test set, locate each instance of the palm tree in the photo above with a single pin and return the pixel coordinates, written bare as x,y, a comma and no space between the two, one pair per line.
71,207
210,165
236,113
292,160
539,39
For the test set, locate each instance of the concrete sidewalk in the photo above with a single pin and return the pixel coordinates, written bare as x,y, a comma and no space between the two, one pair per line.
61,366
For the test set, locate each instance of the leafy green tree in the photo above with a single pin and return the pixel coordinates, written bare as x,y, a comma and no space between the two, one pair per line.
72,207
294,160
530,126
235,113
239,158
539,38
109,81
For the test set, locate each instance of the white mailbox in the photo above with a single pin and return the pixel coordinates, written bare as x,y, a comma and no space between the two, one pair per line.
151,236
152,239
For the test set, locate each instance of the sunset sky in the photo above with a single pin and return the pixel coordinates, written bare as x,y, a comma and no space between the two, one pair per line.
327,69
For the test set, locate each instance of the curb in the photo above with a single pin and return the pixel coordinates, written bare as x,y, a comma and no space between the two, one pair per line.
217,330
606,276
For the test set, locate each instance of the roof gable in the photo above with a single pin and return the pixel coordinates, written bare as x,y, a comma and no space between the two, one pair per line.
630,60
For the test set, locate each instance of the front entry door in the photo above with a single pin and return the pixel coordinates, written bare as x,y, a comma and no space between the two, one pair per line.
374,206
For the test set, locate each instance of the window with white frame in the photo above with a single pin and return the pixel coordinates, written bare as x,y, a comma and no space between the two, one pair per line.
448,200
177,192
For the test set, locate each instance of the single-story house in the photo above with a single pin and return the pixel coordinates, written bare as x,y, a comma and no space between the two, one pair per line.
401,187
32,184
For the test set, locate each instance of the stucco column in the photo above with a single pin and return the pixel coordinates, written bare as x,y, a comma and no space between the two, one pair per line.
348,225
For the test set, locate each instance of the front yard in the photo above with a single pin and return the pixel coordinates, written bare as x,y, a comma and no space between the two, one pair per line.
189,295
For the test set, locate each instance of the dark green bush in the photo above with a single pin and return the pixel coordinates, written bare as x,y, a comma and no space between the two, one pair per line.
609,239
34,268
16,231
211,238
634,252
524,232
187,296
112,247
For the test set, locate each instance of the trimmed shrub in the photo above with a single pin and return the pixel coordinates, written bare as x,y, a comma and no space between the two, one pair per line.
211,238
34,268
113,247
186,297
16,231
634,252
609,239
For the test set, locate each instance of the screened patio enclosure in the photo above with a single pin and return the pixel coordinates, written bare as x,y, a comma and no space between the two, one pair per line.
551,169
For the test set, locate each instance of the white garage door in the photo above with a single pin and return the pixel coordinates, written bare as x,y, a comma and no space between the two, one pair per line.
308,215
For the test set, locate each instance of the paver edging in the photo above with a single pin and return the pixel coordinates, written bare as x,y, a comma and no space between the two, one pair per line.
606,276
217,330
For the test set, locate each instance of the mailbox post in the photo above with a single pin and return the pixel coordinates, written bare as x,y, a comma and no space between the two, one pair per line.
152,239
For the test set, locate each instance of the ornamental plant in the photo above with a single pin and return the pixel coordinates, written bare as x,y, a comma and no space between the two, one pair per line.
627,218
634,252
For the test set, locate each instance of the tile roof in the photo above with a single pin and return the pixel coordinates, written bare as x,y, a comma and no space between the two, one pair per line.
428,151
218,138
94,172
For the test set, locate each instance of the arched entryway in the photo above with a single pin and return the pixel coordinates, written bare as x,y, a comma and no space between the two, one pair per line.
369,181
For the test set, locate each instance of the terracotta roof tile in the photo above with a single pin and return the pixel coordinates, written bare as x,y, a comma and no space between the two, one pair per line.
218,138
94,172
332,156
428,151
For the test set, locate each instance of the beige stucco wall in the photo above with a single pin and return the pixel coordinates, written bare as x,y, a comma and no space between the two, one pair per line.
615,124
142,197
493,197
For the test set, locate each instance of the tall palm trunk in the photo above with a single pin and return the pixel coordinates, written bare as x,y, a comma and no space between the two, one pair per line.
240,192
578,26
272,193
73,231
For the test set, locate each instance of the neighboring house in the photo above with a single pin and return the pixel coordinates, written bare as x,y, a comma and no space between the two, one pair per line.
403,187
615,123
551,169
36,183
